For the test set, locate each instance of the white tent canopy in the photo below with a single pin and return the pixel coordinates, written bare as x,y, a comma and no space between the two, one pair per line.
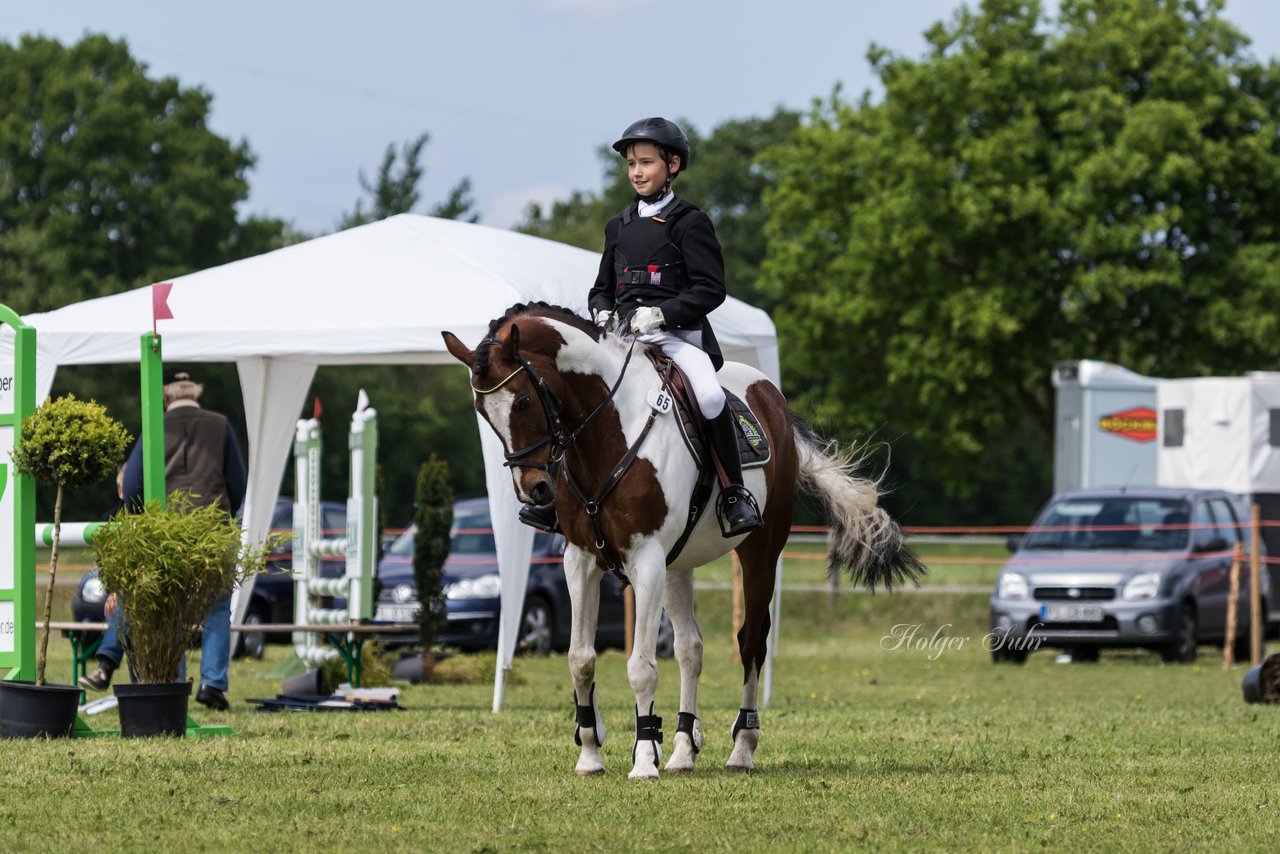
377,294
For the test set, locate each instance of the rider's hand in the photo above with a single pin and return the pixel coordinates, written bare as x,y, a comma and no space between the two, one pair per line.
646,319
109,606
604,318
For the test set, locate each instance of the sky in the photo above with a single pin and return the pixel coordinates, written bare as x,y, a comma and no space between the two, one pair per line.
517,95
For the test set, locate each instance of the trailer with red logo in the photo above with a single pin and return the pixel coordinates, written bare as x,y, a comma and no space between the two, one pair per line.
1105,428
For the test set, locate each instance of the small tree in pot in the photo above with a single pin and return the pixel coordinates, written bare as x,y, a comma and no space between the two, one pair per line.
70,444
172,565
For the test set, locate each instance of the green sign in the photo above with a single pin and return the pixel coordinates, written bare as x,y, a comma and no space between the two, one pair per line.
17,503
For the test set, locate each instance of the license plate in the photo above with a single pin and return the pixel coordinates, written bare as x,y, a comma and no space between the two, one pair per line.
396,613
1071,613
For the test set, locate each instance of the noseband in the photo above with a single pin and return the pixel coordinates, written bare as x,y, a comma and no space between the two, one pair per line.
560,443
555,435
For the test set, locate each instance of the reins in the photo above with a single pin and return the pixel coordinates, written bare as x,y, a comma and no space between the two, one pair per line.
560,444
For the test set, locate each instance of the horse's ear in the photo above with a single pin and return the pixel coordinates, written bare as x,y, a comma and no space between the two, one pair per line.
457,349
512,345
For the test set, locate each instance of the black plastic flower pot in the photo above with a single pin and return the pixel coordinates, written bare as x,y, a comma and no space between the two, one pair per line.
150,710
37,711
1262,683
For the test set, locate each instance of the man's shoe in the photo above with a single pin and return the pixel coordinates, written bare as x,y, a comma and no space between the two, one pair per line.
213,698
99,679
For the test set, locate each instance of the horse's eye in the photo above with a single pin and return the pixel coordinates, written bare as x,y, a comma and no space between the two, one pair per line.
522,404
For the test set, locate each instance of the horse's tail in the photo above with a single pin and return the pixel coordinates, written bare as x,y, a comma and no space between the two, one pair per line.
864,540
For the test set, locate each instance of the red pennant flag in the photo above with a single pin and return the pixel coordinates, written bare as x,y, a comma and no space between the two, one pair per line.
317,410
160,303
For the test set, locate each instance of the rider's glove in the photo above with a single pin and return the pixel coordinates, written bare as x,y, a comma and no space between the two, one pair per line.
647,319
604,318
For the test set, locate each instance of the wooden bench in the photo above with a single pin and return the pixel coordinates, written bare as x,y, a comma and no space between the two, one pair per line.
347,638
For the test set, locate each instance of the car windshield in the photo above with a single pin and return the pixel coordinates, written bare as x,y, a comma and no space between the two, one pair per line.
1114,522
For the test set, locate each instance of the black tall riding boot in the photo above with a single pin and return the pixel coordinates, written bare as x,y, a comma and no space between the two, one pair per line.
542,517
738,511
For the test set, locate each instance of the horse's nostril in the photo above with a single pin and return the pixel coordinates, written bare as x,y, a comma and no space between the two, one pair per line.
540,493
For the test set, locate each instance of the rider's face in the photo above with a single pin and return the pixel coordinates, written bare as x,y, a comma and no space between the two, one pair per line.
646,170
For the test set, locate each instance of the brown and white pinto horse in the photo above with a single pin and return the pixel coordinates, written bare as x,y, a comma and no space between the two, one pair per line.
570,406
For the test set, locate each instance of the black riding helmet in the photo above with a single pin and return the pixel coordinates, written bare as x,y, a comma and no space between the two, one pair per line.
661,132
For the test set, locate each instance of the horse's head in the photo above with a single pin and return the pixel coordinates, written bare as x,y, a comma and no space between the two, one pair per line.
512,394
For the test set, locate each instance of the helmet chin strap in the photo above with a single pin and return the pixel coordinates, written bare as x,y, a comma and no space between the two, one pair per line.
666,188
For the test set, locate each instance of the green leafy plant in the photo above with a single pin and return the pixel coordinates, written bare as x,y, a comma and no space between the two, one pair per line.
375,672
433,515
172,564
68,443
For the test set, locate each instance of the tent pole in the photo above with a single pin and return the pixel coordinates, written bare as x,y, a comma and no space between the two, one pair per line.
499,674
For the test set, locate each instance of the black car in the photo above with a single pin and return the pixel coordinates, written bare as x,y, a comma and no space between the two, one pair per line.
272,598
472,590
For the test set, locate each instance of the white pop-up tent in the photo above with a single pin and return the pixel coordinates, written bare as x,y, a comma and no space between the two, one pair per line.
377,294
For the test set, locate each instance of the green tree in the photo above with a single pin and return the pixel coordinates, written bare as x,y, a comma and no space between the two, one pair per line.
1102,185
433,514
420,408
727,180
109,178
397,191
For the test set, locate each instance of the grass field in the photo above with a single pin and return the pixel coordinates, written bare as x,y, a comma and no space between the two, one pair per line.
863,747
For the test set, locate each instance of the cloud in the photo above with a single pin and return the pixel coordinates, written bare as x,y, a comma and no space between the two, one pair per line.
506,210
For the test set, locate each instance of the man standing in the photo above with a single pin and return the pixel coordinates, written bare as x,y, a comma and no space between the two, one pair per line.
202,457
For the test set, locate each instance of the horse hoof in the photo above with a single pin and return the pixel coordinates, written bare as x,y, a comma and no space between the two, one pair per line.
643,774
679,769
741,769
589,772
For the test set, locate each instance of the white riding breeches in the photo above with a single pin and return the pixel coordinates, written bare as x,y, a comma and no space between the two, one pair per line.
697,368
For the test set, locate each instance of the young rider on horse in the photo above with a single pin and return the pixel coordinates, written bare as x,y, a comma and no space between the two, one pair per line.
662,273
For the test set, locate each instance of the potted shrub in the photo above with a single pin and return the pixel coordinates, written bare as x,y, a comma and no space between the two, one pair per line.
68,443
172,565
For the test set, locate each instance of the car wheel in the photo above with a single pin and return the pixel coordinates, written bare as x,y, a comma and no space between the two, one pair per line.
536,629
666,638
253,644
1008,656
1084,654
1182,649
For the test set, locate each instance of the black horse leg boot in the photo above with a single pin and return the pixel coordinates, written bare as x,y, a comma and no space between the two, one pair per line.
737,508
543,517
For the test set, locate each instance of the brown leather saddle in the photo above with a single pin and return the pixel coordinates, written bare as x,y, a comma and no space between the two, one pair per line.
753,445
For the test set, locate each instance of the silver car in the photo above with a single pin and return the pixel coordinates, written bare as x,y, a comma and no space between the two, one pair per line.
1126,567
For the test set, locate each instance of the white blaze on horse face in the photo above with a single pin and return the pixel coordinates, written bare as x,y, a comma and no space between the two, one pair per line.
498,406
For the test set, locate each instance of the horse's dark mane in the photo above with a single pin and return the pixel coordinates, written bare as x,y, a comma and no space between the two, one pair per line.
533,309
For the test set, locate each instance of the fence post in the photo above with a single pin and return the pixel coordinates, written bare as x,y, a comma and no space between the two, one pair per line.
1255,590
1233,596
